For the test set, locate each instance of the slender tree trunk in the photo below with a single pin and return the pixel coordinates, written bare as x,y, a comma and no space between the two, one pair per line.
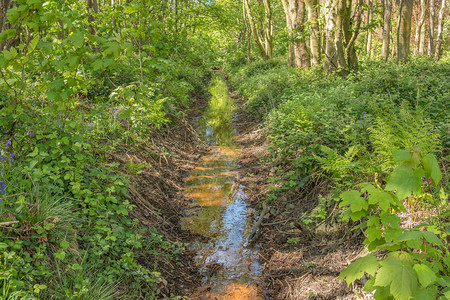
419,26
256,36
290,27
311,6
330,25
301,52
386,34
431,28
247,34
339,37
404,29
350,52
369,31
438,51
268,29
423,39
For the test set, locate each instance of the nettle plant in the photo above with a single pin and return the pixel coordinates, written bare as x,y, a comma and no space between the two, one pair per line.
403,263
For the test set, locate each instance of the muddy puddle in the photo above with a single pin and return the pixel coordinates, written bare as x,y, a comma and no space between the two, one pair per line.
230,269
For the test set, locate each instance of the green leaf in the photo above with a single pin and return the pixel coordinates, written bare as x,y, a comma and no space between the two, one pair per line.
405,182
402,155
382,198
60,254
10,54
355,270
432,169
77,39
399,275
352,198
34,153
64,244
425,274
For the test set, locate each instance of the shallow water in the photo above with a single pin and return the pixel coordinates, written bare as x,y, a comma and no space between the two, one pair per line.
230,269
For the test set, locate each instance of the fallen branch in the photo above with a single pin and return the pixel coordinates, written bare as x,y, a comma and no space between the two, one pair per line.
253,236
4,224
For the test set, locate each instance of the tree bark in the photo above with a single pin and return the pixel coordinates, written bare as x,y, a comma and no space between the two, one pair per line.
386,34
301,52
438,50
295,17
419,26
311,6
268,28
404,29
369,31
330,24
431,28
263,42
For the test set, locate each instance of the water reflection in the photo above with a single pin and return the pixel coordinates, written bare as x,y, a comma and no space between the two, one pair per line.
223,214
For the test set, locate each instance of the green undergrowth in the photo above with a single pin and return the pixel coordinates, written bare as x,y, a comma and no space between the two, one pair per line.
68,100
352,131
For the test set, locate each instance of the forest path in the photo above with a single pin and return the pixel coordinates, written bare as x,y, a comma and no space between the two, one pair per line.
230,268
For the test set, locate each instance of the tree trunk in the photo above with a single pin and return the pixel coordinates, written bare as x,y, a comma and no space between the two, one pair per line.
290,27
386,35
330,49
268,29
295,17
431,28
369,31
311,6
339,37
301,52
419,26
256,36
247,34
423,38
404,29
438,51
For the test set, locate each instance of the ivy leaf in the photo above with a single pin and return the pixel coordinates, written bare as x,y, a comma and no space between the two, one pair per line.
397,273
355,270
405,182
425,274
432,169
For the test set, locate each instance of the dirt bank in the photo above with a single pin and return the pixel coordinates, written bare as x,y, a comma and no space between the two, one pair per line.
156,170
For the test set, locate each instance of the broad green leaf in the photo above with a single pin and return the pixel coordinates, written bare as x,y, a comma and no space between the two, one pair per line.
367,264
373,234
382,293
382,198
405,182
399,275
425,274
77,39
423,294
354,200
432,238
60,254
3,61
432,169
402,155
64,244
10,54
